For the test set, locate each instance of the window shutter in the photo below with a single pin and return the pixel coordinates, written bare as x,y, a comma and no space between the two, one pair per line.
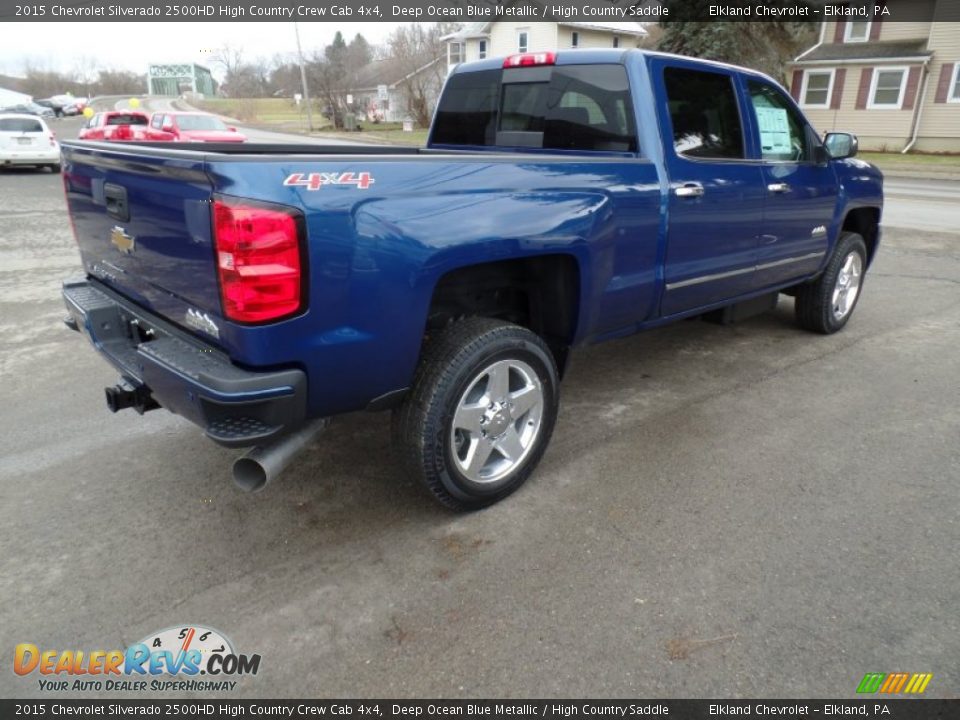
838,31
913,82
839,78
796,84
866,76
943,86
875,26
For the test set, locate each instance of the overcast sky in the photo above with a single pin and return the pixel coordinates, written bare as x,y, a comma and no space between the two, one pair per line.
132,45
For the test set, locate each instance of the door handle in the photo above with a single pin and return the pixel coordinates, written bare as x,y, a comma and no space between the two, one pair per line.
778,187
690,190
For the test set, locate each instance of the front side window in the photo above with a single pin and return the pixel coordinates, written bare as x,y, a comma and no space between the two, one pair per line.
156,121
888,86
857,31
522,43
817,85
704,114
783,133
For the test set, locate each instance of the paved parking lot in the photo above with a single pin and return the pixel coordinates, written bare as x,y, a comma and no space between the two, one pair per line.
724,511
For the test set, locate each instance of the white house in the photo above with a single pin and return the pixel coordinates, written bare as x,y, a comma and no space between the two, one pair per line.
476,41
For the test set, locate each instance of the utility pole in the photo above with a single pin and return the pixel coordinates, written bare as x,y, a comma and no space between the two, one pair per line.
303,78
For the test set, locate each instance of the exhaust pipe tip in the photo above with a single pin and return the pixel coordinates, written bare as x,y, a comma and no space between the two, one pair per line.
261,465
249,475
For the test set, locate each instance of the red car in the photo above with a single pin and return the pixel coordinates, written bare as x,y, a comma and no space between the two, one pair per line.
116,125
191,127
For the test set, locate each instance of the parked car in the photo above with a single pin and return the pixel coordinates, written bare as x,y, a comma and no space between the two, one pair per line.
75,107
116,125
563,199
29,108
191,127
27,140
53,104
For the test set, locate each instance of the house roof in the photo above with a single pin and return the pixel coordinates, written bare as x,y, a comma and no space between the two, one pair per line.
387,72
852,52
482,29
615,28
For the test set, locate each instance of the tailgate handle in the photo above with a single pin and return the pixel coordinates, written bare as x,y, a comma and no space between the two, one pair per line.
116,198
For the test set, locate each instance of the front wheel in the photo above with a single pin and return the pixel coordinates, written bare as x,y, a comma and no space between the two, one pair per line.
481,412
825,305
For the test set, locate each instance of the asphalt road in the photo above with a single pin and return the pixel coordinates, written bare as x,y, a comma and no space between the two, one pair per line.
724,511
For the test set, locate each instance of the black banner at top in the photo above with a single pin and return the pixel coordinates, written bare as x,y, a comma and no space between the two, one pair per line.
473,10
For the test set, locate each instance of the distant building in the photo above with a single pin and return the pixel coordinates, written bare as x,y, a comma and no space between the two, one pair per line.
9,98
180,78
895,84
479,40
388,91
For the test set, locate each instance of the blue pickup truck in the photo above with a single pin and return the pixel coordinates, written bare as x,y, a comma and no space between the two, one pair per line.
563,198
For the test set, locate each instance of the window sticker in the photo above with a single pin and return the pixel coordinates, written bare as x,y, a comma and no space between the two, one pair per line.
774,130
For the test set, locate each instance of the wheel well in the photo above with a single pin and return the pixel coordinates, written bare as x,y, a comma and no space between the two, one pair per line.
866,223
540,293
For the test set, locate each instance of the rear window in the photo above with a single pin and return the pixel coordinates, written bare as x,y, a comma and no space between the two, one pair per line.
127,120
569,107
20,125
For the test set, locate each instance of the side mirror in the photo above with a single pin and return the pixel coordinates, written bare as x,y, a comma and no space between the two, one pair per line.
232,129
841,145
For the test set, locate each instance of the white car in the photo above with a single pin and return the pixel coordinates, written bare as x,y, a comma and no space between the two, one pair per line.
26,140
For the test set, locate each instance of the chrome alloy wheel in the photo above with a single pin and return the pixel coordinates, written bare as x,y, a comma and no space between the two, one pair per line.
847,287
496,421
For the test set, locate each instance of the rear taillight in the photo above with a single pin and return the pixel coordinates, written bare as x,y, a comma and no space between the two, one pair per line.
53,139
259,260
530,59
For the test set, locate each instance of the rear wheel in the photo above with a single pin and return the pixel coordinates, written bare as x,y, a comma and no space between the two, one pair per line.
481,412
55,169
825,305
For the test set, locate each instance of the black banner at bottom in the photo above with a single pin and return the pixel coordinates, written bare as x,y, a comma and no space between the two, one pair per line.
895,709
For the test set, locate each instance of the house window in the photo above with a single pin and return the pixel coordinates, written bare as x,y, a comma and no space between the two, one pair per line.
456,53
522,43
954,95
483,49
886,90
616,41
575,39
817,88
857,31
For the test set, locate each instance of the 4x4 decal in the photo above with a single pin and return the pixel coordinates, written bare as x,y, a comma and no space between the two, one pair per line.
314,181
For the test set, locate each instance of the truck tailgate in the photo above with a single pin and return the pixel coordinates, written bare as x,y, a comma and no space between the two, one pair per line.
143,225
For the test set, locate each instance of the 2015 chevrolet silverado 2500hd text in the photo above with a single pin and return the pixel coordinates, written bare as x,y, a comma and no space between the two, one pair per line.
563,198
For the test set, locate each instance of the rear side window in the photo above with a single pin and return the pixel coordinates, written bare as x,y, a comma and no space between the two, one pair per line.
704,114
20,125
571,107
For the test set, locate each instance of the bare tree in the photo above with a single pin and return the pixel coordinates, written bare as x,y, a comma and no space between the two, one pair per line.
416,50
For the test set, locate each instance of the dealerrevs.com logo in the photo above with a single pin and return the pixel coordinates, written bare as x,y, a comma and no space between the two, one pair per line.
172,659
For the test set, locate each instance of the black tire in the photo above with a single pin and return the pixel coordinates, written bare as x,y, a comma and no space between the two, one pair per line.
452,361
814,300
55,169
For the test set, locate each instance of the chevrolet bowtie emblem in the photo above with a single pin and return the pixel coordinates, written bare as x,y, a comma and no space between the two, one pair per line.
123,242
